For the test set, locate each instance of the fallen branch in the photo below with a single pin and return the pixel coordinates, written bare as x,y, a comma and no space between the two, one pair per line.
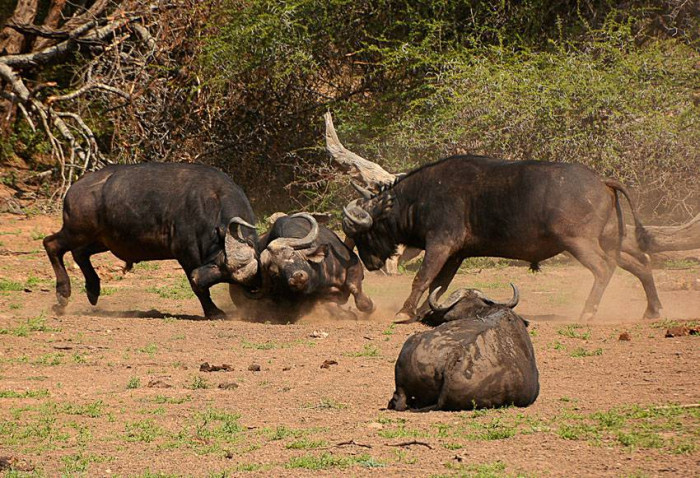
351,443
410,443
368,173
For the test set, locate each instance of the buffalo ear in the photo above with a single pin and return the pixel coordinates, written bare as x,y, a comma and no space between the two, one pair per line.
317,256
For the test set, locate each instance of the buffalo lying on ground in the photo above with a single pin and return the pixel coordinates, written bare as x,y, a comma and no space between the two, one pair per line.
303,263
467,206
156,211
479,357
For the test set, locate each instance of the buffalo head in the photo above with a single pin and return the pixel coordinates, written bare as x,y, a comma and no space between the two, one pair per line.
463,303
239,249
367,221
291,259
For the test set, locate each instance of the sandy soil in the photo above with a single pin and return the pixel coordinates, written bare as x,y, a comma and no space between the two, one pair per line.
116,390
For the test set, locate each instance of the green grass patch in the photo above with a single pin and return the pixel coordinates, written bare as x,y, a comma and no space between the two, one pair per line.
145,431
669,428
7,285
34,324
680,264
582,352
180,290
368,350
575,331
172,400
133,383
306,444
149,349
326,461
326,404
24,394
198,383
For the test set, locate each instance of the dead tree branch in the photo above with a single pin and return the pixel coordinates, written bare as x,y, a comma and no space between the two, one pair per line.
368,173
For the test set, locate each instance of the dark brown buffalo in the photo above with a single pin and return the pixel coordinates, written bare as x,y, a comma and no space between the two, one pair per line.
468,206
303,263
479,357
156,211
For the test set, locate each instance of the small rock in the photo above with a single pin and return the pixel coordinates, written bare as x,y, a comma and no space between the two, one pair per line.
680,331
158,384
228,386
205,367
254,367
318,334
284,369
328,363
625,336
375,425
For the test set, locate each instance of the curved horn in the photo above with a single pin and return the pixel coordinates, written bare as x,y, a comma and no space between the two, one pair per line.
240,257
296,243
449,303
352,221
365,193
510,304
516,297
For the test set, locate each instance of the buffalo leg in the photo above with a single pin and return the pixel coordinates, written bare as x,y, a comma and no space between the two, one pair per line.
643,272
398,401
81,255
593,257
354,280
201,279
56,246
435,259
443,280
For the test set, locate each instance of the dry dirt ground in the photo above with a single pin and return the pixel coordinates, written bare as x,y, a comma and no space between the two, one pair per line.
116,390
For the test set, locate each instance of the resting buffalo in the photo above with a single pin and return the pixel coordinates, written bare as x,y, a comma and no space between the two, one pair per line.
480,357
303,263
156,211
467,206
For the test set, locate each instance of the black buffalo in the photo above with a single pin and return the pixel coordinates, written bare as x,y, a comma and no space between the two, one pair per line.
467,206
303,263
156,211
480,357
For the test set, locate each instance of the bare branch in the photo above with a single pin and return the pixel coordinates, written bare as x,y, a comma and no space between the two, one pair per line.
84,89
370,174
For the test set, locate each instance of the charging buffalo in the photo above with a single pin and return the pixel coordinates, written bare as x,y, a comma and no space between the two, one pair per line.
303,263
467,206
479,357
155,211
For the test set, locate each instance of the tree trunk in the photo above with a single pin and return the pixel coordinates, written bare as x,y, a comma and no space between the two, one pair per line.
675,238
11,41
52,20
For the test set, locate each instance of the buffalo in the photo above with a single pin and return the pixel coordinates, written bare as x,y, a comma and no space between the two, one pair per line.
480,356
154,211
303,263
467,206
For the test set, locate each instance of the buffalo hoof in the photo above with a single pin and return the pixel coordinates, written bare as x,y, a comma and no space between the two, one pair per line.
404,318
586,316
58,309
217,314
652,314
92,297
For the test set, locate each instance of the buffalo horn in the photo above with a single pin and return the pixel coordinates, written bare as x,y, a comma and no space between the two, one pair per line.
365,193
450,302
240,257
296,243
510,304
353,221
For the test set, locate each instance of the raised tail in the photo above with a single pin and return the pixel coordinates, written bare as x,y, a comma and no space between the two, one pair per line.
641,234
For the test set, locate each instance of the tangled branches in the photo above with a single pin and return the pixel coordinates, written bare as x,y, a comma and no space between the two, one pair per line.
112,41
